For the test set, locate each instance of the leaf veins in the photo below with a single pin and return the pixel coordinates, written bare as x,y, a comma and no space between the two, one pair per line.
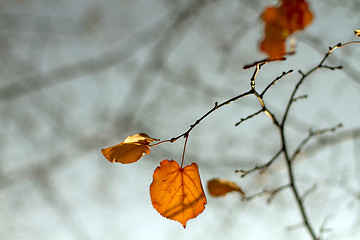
177,193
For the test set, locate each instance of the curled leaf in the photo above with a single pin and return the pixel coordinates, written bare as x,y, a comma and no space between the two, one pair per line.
130,150
282,21
219,187
176,193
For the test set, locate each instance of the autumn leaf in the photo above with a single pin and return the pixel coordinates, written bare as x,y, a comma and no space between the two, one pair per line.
282,21
130,150
176,193
274,41
357,33
219,187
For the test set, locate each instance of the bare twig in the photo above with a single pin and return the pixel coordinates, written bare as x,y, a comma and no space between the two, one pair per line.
261,168
304,76
216,106
281,127
332,68
268,192
300,97
250,116
252,91
310,136
273,82
264,61
288,158
308,191
323,229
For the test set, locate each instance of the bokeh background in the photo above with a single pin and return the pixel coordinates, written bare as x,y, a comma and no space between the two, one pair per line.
79,76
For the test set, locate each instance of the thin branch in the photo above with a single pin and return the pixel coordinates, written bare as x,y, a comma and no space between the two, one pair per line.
339,138
323,229
264,61
308,191
269,192
348,43
253,77
266,110
250,116
332,68
284,146
258,65
281,128
310,136
261,168
300,97
304,76
216,106
273,82
294,188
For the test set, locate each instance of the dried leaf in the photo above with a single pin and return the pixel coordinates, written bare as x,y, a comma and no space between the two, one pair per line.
274,41
130,150
176,193
219,187
297,14
357,33
282,21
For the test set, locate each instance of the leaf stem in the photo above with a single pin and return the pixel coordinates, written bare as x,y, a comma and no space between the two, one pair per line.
183,155
155,144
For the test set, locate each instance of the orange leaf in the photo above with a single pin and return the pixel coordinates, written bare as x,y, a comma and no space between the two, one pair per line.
130,150
219,187
274,41
282,21
176,193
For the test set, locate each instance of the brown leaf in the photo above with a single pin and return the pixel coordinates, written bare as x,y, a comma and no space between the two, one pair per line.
219,187
130,150
176,193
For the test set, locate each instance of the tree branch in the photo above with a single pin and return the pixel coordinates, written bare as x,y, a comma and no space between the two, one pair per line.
273,82
250,116
310,136
261,168
270,192
216,106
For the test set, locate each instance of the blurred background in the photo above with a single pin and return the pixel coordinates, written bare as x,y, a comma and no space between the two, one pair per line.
79,76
